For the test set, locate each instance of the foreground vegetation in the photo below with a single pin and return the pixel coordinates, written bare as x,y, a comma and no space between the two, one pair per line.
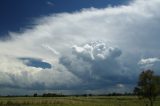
76,101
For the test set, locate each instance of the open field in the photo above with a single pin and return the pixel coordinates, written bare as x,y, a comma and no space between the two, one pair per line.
74,101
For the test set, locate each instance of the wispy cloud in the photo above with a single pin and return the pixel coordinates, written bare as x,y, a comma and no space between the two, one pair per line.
50,3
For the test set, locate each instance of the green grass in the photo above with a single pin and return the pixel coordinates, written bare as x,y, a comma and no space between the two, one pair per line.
75,101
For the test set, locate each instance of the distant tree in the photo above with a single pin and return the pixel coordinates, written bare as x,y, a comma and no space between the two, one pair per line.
148,86
35,95
52,95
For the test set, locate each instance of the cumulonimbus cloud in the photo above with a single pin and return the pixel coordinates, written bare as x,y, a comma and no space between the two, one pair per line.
96,63
131,31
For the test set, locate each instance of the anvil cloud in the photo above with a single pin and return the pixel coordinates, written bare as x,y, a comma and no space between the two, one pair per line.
91,49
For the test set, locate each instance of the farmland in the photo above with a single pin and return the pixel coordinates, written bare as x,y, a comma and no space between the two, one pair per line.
75,101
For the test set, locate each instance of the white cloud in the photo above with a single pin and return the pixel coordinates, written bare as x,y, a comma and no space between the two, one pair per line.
150,63
51,49
13,73
134,29
96,50
120,85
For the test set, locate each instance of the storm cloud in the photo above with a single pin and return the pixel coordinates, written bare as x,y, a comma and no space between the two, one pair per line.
97,65
87,49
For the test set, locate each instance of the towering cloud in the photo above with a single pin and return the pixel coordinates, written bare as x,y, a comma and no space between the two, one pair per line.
96,64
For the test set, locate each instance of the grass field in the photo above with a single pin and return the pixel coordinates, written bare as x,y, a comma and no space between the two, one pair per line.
74,101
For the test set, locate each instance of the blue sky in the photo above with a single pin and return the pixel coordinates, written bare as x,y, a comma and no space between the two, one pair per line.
18,14
85,46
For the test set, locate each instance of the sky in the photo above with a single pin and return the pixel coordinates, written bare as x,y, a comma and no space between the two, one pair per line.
18,14
89,46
